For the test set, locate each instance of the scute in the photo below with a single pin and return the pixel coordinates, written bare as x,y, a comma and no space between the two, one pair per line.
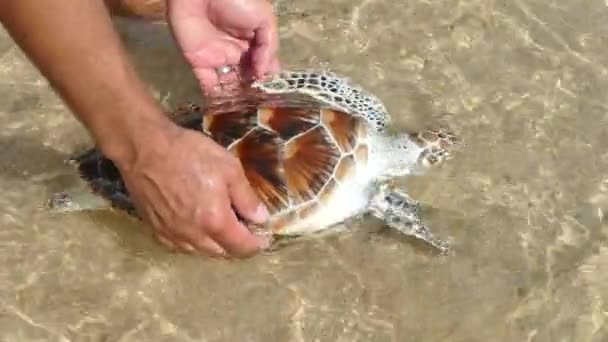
361,153
345,168
310,160
226,128
328,190
288,122
261,156
343,128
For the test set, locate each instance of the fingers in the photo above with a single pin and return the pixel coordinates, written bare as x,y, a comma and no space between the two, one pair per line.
244,200
225,52
266,46
208,80
212,84
184,239
233,50
223,235
275,65
204,245
225,229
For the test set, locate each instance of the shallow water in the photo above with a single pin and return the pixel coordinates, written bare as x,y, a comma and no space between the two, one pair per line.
523,83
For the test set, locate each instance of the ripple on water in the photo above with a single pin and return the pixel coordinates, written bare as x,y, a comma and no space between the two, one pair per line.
523,83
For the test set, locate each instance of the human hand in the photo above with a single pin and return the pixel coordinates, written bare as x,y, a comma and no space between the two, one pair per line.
186,186
216,33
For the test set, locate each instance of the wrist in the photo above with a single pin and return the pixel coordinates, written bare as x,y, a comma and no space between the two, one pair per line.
136,135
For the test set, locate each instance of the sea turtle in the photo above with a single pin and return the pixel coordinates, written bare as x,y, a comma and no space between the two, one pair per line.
315,146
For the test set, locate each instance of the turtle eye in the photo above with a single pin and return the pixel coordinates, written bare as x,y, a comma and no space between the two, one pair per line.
395,219
393,200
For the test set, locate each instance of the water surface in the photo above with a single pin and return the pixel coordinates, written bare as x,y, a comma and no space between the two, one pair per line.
523,83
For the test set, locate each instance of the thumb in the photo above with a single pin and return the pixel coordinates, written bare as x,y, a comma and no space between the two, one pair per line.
245,201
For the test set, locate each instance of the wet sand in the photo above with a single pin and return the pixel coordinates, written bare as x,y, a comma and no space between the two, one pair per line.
524,84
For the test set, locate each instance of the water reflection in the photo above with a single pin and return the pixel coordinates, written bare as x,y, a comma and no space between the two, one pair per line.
522,82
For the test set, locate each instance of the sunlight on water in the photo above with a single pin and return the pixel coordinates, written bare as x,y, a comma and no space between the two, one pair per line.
522,82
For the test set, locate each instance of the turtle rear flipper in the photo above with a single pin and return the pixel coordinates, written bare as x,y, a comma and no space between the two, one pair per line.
76,200
103,189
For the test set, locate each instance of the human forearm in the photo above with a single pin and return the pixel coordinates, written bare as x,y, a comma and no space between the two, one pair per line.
146,9
74,45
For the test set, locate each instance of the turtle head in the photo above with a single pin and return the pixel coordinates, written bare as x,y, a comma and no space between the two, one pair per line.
436,145
399,154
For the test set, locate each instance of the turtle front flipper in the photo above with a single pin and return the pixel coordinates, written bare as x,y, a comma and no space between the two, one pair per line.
332,90
401,212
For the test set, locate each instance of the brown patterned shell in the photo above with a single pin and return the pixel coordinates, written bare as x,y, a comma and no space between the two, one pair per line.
294,151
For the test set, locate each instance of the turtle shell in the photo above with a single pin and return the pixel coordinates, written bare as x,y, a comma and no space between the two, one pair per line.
295,152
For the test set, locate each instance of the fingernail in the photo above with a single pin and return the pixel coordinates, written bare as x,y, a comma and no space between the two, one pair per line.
261,214
188,247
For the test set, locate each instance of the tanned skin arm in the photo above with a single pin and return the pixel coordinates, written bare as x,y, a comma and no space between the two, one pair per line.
170,172
144,9
109,98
